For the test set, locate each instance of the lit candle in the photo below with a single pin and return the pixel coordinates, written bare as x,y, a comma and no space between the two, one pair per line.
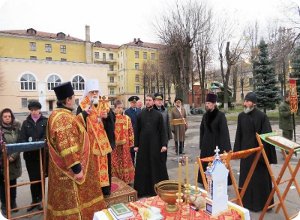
179,180
187,171
196,177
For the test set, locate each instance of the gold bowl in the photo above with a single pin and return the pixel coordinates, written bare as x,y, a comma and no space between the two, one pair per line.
167,190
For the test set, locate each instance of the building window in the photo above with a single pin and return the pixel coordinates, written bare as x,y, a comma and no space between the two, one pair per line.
145,55
152,56
111,91
136,66
136,54
137,78
63,49
137,89
28,82
49,58
32,46
97,55
78,83
33,58
63,59
111,79
111,56
104,56
250,81
111,67
53,81
48,48
24,102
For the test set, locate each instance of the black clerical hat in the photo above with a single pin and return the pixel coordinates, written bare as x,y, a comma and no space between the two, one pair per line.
251,96
133,98
211,97
63,91
158,96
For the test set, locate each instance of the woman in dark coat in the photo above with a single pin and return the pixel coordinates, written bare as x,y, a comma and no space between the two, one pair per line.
34,129
213,132
10,129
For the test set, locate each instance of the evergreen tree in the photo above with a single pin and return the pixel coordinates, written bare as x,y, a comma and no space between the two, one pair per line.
265,81
295,70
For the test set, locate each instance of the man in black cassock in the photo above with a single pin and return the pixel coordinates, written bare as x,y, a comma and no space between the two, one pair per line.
213,132
250,122
150,145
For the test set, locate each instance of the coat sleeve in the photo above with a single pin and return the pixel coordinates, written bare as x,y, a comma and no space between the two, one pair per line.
163,131
284,111
22,135
270,149
130,132
224,134
137,131
168,127
238,136
109,126
201,132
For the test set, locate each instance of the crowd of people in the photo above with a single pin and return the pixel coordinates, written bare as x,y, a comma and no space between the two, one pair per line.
87,148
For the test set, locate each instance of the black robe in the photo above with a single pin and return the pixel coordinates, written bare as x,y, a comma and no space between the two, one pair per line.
260,184
150,137
213,132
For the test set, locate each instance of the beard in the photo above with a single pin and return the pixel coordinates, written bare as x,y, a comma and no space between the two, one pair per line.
95,100
248,109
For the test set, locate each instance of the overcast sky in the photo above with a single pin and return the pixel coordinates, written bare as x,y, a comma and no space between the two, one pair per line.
119,21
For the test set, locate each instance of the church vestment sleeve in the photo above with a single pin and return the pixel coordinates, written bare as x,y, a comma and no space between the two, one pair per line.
163,134
130,132
67,135
137,131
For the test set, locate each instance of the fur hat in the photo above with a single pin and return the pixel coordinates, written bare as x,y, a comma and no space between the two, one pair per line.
251,96
211,97
63,91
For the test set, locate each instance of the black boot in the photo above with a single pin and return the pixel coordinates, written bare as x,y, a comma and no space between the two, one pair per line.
14,205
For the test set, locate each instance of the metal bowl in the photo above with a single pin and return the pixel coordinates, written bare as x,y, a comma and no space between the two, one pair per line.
167,190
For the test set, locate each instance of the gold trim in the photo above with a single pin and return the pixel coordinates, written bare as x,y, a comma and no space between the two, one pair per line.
76,210
69,150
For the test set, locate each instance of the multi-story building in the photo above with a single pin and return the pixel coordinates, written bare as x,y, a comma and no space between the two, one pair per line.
33,62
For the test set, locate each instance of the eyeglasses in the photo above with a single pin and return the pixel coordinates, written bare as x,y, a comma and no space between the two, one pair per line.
94,91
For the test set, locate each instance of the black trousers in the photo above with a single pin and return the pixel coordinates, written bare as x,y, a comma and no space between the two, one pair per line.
33,169
181,146
106,189
13,191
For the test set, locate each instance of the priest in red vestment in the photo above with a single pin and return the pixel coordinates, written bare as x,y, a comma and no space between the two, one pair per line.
122,166
73,189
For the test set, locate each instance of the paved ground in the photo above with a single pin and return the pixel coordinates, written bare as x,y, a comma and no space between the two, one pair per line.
192,151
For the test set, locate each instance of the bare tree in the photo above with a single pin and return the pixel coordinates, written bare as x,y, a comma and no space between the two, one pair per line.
179,31
203,50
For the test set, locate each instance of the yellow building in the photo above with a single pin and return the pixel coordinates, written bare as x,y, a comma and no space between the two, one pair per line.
31,60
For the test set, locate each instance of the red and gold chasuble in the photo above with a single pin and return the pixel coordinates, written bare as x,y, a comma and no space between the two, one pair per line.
122,166
99,142
69,145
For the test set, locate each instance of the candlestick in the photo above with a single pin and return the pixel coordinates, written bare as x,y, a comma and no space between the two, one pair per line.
179,181
187,171
196,177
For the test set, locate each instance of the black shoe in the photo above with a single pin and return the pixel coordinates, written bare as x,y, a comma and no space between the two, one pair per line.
13,206
31,208
40,207
3,211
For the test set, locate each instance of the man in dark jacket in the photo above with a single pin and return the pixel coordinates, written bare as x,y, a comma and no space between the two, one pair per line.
213,131
250,122
158,105
285,117
34,129
150,145
132,112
